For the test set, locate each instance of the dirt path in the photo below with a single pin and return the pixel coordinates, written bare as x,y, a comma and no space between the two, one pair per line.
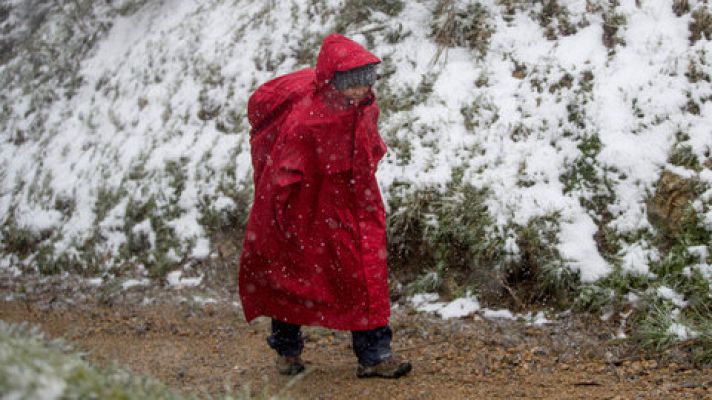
201,349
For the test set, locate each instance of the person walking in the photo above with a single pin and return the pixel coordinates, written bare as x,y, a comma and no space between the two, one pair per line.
314,251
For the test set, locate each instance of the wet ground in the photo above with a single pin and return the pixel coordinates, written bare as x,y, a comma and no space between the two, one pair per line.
205,348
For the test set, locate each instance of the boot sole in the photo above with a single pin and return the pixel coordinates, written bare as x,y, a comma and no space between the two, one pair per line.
367,372
292,371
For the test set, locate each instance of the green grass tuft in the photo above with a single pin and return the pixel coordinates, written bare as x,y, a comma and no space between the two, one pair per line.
593,298
653,327
683,156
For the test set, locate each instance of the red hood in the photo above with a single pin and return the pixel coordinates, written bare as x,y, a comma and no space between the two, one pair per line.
339,53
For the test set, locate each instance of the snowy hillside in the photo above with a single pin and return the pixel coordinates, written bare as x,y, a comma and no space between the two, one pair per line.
124,137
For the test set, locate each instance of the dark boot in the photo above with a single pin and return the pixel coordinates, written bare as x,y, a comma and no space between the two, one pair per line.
287,340
287,365
375,359
390,368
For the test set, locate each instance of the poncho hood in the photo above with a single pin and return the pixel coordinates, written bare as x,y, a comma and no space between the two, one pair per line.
339,53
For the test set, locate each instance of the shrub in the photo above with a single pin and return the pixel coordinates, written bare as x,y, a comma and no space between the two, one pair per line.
20,21
680,7
446,241
305,51
462,23
150,244
19,240
398,141
357,12
428,283
701,347
594,187
659,323
696,72
612,22
593,298
229,219
554,18
233,219
652,327
481,113
106,199
683,156
47,262
409,224
539,272
660,326
701,24
391,100
445,231
583,172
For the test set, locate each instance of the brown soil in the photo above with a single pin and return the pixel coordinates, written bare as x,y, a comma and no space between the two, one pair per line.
201,349
204,349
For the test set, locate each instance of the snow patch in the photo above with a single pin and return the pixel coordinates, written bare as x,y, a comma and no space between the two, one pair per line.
128,284
201,249
175,279
681,331
669,294
539,319
636,259
579,248
39,220
95,281
457,308
498,314
200,300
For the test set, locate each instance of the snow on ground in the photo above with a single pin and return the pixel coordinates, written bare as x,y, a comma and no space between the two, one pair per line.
468,306
498,314
130,283
95,281
202,301
175,279
462,307
538,319
681,331
667,293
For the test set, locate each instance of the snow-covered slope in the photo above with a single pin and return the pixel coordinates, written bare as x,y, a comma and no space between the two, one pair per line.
571,112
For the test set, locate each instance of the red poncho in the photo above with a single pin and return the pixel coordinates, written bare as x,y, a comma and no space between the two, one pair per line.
315,246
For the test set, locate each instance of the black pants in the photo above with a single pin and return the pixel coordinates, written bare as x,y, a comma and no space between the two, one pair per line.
371,346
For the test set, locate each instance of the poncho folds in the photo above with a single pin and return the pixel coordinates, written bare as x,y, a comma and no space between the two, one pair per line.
315,245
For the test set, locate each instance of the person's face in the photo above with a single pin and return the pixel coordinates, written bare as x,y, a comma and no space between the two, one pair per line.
356,93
